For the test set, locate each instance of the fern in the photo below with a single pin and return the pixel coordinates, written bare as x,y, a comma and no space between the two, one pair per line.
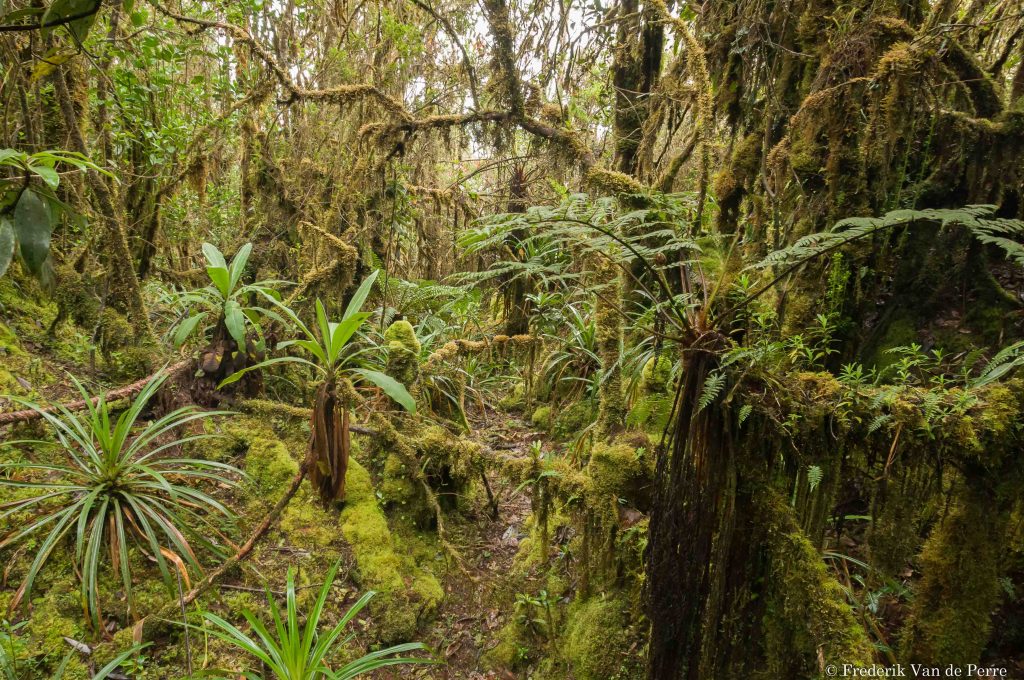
878,422
713,385
744,413
814,476
1002,363
978,219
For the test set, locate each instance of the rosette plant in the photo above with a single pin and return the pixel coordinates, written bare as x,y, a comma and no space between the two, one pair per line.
114,482
332,356
295,649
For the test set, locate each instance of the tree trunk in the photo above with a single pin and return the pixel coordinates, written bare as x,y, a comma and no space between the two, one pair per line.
125,290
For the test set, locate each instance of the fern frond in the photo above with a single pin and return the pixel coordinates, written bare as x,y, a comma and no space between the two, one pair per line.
713,386
978,219
814,476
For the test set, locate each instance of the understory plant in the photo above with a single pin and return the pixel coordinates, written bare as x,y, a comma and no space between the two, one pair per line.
114,481
295,650
332,360
227,311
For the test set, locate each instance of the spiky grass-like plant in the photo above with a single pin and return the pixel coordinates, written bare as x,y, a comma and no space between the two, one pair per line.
297,651
121,481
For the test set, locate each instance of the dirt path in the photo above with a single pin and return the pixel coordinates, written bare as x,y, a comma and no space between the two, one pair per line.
473,612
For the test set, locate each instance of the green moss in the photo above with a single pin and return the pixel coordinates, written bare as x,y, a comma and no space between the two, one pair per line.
656,374
268,461
397,609
541,417
55,615
14,361
513,401
599,643
572,420
404,334
950,619
621,471
510,653
807,618
403,352
307,524
402,494
900,333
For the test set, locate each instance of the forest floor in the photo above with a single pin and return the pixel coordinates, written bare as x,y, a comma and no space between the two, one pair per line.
476,607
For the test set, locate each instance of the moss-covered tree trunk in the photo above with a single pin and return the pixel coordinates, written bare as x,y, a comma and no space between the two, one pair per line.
125,290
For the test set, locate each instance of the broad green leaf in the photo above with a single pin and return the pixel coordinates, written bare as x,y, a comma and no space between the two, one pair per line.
356,303
33,225
186,327
238,264
323,323
342,332
213,256
234,319
11,157
84,10
221,279
6,244
391,387
49,175
18,14
217,269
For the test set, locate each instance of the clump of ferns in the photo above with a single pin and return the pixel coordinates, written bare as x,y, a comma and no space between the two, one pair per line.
115,481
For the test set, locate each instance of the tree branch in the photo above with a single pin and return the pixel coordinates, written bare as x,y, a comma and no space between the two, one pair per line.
12,28
12,417
342,94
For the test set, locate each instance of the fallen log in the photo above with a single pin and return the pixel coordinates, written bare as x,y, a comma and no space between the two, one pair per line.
26,415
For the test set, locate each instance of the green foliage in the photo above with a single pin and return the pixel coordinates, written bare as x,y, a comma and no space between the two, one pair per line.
297,650
331,349
571,368
713,386
814,476
224,301
118,485
541,239
78,17
979,220
28,211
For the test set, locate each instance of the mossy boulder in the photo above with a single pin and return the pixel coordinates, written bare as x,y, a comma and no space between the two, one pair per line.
573,419
541,417
514,400
402,494
600,643
510,651
398,608
268,461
